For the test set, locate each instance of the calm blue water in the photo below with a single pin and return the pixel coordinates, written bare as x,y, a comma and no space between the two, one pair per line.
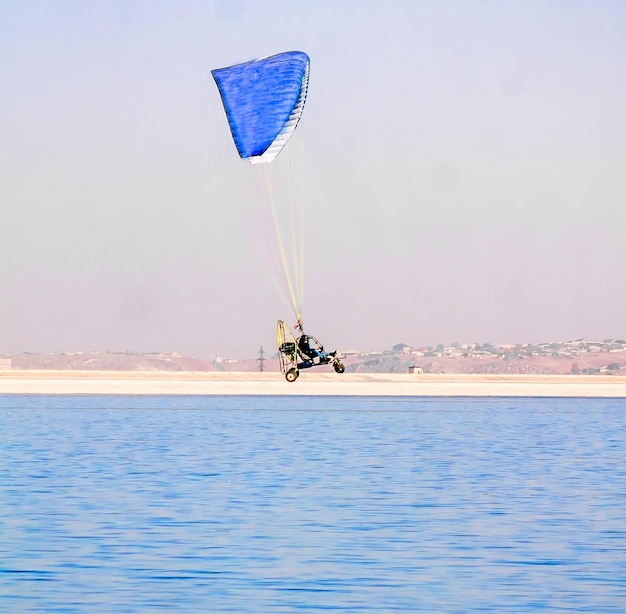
265,504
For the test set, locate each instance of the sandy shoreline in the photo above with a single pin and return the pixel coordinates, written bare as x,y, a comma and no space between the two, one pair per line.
309,384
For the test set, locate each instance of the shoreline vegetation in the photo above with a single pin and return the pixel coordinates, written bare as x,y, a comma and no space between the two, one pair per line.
310,383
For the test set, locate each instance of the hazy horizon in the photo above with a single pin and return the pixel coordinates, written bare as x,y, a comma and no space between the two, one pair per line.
465,174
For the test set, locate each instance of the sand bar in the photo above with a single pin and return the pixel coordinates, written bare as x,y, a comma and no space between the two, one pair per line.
309,384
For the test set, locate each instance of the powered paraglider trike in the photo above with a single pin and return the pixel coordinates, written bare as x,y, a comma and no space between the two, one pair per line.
303,353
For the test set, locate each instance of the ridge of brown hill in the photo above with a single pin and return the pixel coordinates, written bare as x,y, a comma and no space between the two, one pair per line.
600,362
548,365
109,362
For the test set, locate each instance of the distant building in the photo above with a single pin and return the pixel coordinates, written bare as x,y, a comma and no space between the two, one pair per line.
401,347
415,369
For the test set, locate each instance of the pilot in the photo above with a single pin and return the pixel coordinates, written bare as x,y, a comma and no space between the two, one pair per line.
304,345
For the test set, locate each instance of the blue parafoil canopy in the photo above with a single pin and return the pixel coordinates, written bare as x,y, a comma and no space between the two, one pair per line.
263,100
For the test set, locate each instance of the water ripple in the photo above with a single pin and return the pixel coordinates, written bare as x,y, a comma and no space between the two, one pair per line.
260,504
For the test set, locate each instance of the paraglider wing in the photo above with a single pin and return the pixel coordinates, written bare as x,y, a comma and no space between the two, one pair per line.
263,100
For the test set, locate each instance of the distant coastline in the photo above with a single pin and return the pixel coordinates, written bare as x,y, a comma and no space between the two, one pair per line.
579,357
310,383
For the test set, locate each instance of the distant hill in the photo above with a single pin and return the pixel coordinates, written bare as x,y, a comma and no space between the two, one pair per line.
548,365
110,362
592,362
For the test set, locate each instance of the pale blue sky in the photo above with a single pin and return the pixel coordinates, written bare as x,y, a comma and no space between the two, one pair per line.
465,174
